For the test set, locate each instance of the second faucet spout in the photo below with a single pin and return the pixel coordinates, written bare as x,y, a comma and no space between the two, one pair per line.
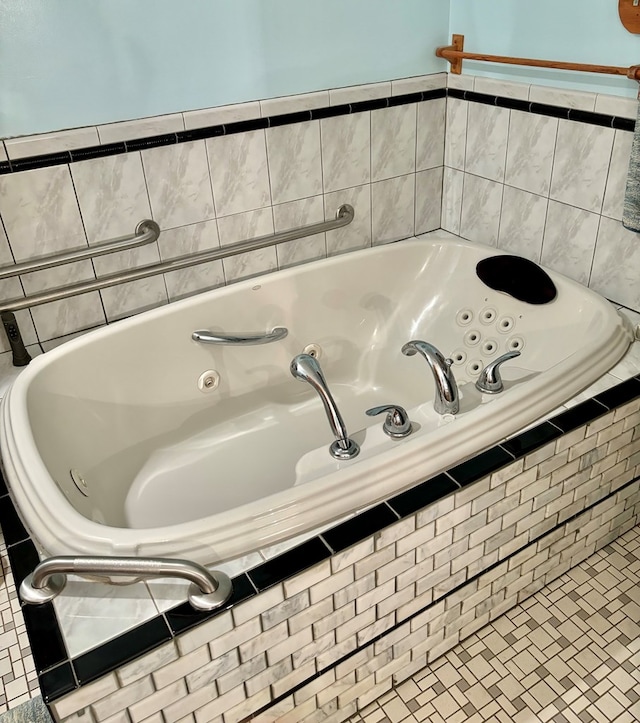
447,400
307,369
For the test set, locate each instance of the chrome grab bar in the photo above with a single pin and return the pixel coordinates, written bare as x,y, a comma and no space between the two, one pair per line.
146,232
208,590
344,216
208,337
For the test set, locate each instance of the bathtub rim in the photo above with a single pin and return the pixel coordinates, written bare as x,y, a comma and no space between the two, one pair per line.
251,520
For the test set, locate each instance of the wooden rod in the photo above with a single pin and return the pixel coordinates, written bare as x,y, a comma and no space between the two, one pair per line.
455,55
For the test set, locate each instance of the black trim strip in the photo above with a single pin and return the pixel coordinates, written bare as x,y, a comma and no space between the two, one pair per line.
290,563
579,415
526,442
45,638
480,466
358,528
12,527
434,489
138,144
57,682
620,394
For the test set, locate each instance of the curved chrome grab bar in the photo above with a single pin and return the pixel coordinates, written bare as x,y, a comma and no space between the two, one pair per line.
208,337
208,590
146,232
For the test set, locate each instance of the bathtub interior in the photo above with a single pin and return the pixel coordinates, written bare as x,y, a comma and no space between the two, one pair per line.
122,407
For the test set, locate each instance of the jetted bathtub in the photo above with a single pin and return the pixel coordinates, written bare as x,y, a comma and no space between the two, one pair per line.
115,443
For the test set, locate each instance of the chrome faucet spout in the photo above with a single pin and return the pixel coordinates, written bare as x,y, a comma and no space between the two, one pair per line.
307,369
447,399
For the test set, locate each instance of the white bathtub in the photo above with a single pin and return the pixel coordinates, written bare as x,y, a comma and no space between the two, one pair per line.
171,470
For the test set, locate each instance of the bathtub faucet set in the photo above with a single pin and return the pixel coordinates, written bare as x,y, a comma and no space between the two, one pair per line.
306,368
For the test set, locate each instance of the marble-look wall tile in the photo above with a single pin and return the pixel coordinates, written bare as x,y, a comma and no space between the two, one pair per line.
242,227
357,234
481,206
140,128
346,151
455,142
239,172
461,82
580,165
487,130
11,288
393,141
295,161
112,194
222,114
569,240
615,105
532,140
617,177
428,200
562,97
293,215
134,297
430,134
503,88
179,184
358,93
452,185
522,223
393,209
40,212
294,103
185,241
3,152
616,264
52,142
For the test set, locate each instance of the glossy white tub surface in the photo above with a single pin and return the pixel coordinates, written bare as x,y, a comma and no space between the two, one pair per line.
173,471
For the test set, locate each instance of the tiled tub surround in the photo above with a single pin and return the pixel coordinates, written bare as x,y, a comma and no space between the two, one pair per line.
212,186
541,173
343,617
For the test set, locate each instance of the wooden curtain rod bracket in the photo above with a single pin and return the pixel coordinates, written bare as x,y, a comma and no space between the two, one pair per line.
455,54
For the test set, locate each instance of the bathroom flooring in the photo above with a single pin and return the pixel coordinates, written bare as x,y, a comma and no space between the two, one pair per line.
570,653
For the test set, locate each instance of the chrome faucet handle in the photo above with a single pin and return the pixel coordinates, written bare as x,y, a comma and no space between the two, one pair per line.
447,398
397,424
490,381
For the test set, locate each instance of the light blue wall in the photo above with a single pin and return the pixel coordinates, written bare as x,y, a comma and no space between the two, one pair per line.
583,31
69,63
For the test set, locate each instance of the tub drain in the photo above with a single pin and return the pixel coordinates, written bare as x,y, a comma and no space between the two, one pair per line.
78,481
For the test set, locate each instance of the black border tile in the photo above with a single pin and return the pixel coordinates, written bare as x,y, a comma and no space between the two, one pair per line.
255,124
3,485
365,524
596,119
531,439
45,638
620,394
183,617
290,563
141,144
289,118
513,103
197,134
331,111
5,167
623,124
12,527
23,559
121,650
405,99
579,415
434,94
483,98
374,104
456,93
554,111
48,159
109,149
418,497
57,682
480,466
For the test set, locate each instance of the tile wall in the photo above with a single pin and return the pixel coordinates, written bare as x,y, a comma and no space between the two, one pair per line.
326,641
379,148
541,173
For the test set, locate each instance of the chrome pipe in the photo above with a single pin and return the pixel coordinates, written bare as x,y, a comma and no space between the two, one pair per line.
344,216
208,590
146,232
